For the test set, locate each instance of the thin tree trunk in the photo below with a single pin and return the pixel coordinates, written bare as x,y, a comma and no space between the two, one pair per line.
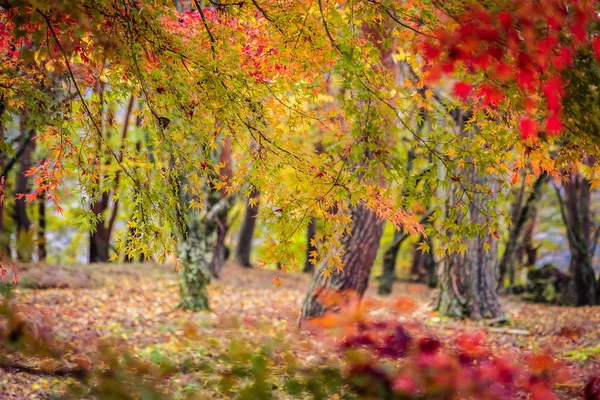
42,252
360,250
311,232
388,274
244,247
431,266
4,238
226,172
418,270
519,223
23,223
99,238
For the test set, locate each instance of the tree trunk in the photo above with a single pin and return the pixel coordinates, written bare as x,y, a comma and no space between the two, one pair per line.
23,223
388,274
520,219
467,280
4,238
42,253
201,246
360,250
196,252
220,249
575,211
99,237
244,247
311,232
431,266
418,270
220,216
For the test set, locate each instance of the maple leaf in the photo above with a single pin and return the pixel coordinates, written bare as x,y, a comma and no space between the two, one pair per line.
563,59
431,51
462,90
491,96
553,89
596,47
528,128
554,125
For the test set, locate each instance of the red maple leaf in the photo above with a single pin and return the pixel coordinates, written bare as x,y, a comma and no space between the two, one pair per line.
554,125
528,128
553,91
596,47
462,90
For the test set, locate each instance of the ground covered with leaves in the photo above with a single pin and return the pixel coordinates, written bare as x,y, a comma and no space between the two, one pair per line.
193,355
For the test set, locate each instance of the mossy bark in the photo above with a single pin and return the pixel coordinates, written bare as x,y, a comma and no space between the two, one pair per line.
196,251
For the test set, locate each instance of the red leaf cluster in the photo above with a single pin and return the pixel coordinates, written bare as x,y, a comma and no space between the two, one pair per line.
525,45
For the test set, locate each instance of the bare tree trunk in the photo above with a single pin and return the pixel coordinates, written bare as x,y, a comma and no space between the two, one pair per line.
100,238
226,171
521,217
418,270
360,250
42,252
24,248
244,247
575,211
311,232
388,274
4,238
431,266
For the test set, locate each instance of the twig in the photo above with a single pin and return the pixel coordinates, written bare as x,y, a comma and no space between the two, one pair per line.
506,331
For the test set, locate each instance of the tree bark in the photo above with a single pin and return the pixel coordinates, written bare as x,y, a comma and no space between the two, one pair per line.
42,252
100,238
431,266
4,238
23,223
244,247
196,251
388,273
360,250
311,232
220,217
521,217
468,281
575,212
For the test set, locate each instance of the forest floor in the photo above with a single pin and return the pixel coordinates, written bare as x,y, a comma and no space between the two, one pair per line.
137,305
